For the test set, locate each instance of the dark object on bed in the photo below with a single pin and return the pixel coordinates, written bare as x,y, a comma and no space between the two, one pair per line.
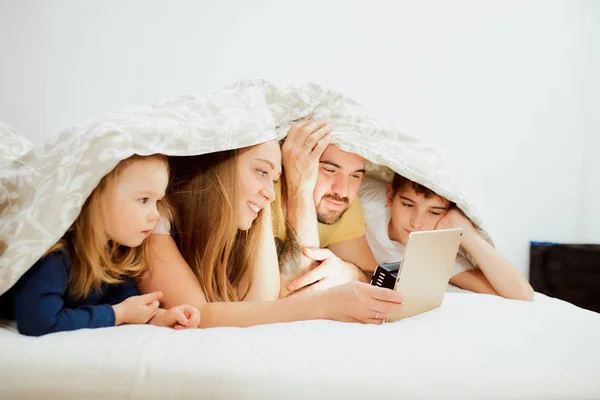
385,275
569,272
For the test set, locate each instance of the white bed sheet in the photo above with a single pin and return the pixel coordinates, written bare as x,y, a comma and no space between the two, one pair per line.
473,347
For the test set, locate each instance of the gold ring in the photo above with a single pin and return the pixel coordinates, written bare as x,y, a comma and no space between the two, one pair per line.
308,145
376,314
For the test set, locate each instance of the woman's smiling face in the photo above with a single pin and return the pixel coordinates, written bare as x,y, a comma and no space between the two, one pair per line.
258,167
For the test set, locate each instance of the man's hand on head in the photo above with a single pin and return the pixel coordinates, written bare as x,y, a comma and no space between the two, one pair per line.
301,151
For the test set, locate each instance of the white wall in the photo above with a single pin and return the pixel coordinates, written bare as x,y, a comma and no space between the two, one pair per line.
504,87
590,216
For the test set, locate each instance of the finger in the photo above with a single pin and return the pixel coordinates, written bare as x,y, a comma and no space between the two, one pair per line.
179,316
308,278
317,254
193,314
153,309
294,131
194,319
151,297
317,152
382,307
154,305
322,284
373,321
377,314
384,294
313,139
301,125
179,327
308,130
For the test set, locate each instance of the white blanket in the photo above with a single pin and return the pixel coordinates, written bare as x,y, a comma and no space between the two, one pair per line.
473,347
43,187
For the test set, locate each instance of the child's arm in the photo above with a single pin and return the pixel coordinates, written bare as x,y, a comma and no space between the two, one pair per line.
116,294
39,302
473,280
179,317
505,279
124,297
466,277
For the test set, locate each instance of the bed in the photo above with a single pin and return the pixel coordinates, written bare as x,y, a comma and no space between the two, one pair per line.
473,347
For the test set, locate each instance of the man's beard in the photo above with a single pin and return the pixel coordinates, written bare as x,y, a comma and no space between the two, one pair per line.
330,217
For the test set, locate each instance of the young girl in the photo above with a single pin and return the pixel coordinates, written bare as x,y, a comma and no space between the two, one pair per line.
86,279
405,206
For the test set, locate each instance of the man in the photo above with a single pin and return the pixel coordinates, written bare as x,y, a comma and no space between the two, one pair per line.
318,216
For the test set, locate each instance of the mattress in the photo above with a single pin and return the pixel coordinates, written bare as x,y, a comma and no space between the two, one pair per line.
472,347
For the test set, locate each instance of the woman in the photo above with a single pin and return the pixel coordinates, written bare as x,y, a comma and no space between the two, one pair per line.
218,250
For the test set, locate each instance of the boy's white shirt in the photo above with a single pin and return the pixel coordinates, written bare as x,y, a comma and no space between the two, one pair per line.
377,217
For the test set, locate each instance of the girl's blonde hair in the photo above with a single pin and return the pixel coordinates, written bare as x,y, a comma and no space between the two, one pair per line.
205,225
96,261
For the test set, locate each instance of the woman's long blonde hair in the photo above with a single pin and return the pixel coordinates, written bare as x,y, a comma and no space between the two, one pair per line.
205,226
96,259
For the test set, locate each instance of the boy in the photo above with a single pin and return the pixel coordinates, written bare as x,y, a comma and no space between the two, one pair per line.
404,206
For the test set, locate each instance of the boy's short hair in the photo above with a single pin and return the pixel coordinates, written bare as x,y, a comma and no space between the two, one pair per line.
401,183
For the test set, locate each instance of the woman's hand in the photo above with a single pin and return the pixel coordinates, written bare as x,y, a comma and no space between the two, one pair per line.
360,302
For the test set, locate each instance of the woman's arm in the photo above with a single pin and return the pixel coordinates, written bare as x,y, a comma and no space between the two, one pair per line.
506,280
170,272
351,302
266,281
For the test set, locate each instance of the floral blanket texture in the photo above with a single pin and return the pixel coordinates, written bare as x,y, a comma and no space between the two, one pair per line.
43,186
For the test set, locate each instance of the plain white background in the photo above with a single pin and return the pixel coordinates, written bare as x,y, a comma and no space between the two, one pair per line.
509,89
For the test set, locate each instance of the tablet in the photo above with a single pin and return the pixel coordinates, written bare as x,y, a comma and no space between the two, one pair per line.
423,276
